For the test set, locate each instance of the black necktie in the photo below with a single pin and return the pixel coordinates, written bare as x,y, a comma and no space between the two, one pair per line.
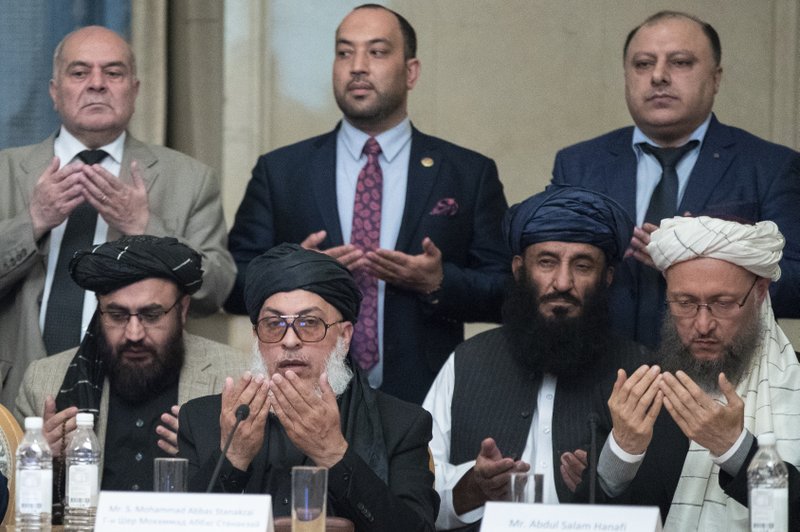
663,204
62,321
664,201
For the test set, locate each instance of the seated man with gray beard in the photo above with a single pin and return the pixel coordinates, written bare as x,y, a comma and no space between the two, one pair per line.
135,364
310,406
728,374
520,397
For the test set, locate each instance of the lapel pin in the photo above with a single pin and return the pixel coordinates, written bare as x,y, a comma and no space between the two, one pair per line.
716,155
427,162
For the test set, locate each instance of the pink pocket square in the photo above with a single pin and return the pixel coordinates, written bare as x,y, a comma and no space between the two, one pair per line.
445,207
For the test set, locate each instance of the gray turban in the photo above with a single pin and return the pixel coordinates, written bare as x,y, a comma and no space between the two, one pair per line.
288,267
569,214
113,265
757,248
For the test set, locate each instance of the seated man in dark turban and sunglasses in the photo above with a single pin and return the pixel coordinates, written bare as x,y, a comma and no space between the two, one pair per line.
309,405
135,364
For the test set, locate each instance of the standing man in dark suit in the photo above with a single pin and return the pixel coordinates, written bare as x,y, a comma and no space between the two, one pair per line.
88,183
416,219
678,158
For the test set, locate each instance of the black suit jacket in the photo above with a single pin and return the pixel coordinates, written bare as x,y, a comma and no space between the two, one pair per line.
736,174
409,502
292,193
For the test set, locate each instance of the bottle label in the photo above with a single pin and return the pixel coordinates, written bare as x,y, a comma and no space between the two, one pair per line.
769,509
82,486
34,491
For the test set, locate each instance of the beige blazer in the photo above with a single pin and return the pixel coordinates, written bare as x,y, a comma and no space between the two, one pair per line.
184,199
204,370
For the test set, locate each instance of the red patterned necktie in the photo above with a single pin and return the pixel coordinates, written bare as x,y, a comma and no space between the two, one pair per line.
366,234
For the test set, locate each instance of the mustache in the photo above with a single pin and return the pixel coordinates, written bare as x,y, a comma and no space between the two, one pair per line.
560,296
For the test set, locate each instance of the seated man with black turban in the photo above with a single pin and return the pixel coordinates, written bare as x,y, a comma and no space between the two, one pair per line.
519,397
310,406
135,364
685,431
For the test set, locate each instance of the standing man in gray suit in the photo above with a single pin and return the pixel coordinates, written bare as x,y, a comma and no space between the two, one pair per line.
88,183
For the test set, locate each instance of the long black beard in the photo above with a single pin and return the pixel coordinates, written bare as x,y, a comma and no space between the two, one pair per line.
134,383
562,346
735,362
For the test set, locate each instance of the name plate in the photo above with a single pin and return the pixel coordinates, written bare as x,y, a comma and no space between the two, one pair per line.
127,511
507,517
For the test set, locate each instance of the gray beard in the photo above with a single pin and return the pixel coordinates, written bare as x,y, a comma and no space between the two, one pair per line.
735,363
339,373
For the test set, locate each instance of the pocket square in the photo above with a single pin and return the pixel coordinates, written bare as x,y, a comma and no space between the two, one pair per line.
445,207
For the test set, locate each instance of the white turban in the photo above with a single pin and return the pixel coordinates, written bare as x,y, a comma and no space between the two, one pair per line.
757,248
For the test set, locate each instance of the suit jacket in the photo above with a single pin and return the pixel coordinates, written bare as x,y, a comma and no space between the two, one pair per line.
184,202
736,174
205,367
407,503
292,194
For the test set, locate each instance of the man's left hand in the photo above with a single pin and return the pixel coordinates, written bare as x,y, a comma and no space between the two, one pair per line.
311,421
701,418
421,273
123,206
572,466
168,431
638,246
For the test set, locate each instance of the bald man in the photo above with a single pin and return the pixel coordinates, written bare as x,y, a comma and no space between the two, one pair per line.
90,182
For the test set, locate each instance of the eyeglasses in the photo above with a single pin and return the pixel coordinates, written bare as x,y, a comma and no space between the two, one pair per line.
272,329
684,308
150,317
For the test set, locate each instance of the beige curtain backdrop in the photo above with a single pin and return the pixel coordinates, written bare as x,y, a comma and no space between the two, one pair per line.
513,79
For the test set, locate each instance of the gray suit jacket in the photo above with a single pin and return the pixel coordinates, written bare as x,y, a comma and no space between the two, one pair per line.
184,202
204,370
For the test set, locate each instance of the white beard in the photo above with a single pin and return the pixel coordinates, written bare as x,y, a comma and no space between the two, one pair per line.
339,373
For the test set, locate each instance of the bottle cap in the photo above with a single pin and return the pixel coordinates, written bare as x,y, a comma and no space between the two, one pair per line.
768,438
85,419
33,423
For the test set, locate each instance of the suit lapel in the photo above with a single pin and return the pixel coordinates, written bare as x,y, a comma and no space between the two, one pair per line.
323,178
136,150
421,178
620,172
34,164
195,380
715,157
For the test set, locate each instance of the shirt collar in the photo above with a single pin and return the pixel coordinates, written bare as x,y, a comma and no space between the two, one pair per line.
72,146
392,140
698,135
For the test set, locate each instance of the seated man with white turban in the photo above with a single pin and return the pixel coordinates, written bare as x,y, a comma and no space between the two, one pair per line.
520,397
309,405
727,375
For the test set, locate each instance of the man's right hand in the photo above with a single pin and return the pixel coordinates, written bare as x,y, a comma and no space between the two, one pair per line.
634,404
349,255
57,426
55,196
249,437
488,480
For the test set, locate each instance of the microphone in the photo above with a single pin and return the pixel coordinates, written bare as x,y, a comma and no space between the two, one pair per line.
594,420
242,413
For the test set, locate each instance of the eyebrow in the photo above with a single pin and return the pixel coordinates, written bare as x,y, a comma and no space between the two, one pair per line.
303,312
378,40
110,64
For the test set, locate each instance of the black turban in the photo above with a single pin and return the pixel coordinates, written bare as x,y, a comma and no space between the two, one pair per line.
288,267
113,265
569,214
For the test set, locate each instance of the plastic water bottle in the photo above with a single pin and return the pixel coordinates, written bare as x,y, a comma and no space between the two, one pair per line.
83,476
768,488
34,479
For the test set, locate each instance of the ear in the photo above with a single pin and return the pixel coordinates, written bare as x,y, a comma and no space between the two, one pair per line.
517,264
346,329
185,302
412,72
717,79
609,275
53,93
762,289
